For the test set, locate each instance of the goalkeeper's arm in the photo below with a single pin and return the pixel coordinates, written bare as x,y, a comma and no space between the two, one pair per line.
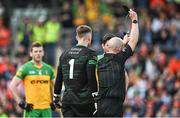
91,75
58,87
58,81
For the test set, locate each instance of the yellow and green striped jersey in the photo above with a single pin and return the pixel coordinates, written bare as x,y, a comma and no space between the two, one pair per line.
37,81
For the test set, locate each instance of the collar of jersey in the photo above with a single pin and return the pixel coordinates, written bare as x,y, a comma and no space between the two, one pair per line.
81,46
37,66
109,54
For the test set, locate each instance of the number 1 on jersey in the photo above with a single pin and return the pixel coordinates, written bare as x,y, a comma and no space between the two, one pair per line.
71,63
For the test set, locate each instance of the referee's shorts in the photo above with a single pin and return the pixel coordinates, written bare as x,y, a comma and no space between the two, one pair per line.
78,110
109,107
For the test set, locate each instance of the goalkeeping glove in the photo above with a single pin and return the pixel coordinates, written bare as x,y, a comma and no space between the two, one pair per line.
53,107
57,101
25,106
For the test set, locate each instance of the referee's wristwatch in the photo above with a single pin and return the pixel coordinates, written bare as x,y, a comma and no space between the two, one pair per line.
135,21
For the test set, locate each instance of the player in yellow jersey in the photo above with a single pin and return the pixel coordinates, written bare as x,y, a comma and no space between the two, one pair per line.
38,80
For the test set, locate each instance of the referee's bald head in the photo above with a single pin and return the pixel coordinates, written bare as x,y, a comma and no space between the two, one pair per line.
116,42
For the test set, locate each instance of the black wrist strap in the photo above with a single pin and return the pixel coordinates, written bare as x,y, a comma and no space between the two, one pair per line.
135,21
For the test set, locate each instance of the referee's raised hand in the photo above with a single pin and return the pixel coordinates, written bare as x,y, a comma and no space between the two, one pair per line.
133,15
134,33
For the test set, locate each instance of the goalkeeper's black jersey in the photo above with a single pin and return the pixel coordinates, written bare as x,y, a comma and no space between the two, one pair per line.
77,71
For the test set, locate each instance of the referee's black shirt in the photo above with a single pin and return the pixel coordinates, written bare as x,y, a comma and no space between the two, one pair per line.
111,74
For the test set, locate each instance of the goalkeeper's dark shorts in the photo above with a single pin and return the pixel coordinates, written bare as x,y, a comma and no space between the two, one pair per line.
109,107
78,110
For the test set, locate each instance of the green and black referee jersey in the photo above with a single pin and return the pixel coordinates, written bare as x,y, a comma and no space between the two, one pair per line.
111,77
76,69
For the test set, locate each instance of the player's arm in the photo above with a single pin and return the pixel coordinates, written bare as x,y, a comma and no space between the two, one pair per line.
53,107
91,74
52,80
52,86
134,35
13,87
127,79
58,81
58,86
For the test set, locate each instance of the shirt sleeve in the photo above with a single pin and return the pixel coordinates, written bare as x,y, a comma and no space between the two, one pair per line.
126,53
52,73
21,73
91,73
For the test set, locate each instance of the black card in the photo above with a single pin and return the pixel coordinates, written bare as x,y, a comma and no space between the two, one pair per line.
126,9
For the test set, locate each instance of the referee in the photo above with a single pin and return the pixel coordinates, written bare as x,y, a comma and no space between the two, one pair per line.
106,38
111,73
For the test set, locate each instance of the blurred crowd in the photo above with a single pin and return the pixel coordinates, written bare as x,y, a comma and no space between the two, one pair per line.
154,69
